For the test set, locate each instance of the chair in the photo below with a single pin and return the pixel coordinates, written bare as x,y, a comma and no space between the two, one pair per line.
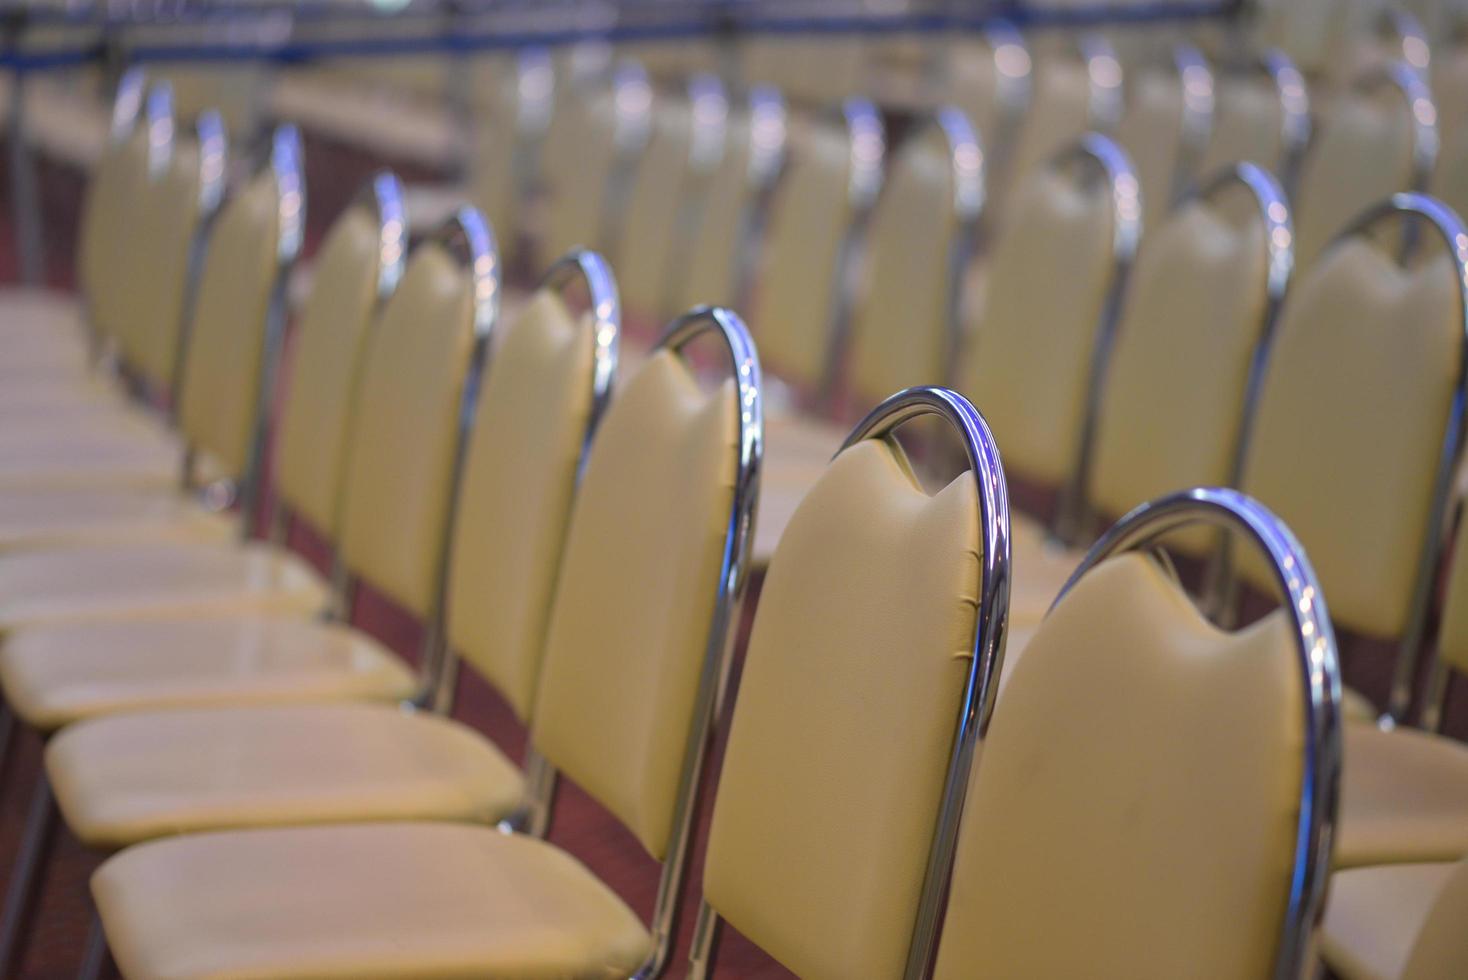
1191,345
684,152
647,598
1381,138
1397,922
1450,90
865,694
1261,115
1395,330
1078,850
989,74
1166,125
1036,353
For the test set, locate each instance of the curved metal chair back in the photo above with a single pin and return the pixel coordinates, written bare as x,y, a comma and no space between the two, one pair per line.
1261,115
1381,139
654,569
1398,340
1074,91
989,77
537,410
891,720
1165,126
906,326
1194,335
1132,757
1037,354
814,239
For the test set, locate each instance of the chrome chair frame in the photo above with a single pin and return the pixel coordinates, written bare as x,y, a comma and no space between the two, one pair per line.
213,159
535,98
441,671
1292,96
632,104
1103,68
968,168
1014,85
1195,77
769,136
1409,83
709,107
1232,511
981,685
1105,158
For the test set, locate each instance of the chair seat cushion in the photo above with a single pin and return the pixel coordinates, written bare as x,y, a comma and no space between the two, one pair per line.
369,901
1373,917
133,777
59,674
101,457
152,580
1404,798
49,518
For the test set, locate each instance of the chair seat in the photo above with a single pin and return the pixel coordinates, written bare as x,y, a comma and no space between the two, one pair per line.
1404,798
60,674
90,459
367,901
22,400
152,580
49,518
85,424
133,777
1373,916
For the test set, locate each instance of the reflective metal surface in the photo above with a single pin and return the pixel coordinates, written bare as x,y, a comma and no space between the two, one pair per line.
127,104
1103,68
158,120
1195,77
968,171
1294,102
1409,83
1319,673
632,105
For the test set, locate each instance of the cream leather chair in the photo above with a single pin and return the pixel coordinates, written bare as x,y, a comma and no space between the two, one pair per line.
1036,354
684,152
1261,115
864,697
1079,849
1076,88
1395,333
1450,90
510,123
638,617
989,75
1190,349
395,483
1397,922
905,320
596,137
1380,138
1165,126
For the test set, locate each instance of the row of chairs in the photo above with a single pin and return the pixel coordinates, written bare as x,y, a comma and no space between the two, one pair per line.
586,554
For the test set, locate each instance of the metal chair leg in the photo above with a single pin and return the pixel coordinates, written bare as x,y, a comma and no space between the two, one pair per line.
20,896
95,960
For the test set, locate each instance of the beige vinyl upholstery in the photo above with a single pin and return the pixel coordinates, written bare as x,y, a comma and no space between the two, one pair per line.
326,365
1363,153
1450,89
660,189
1404,797
1059,112
1078,853
1152,132
791,311
59,674
1366,353
49,518
107,250
1397,922
421,901
900,331
1028,357
578,158
1248,124
225,356
637,589
136,776
866,621
975,84
515,501
401,461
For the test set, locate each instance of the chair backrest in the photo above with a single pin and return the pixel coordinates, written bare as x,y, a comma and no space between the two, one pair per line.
538,407
134,139
509,123
878,636
1194,331
1369,351
803,291
689,133
905,326
596,136
1381,138
175,207
238,318
655,562
1452,639
1261,115
415,395
1168,116
718,261
357,267
1450,91
1078,851
1036,353
1076,88
989,78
